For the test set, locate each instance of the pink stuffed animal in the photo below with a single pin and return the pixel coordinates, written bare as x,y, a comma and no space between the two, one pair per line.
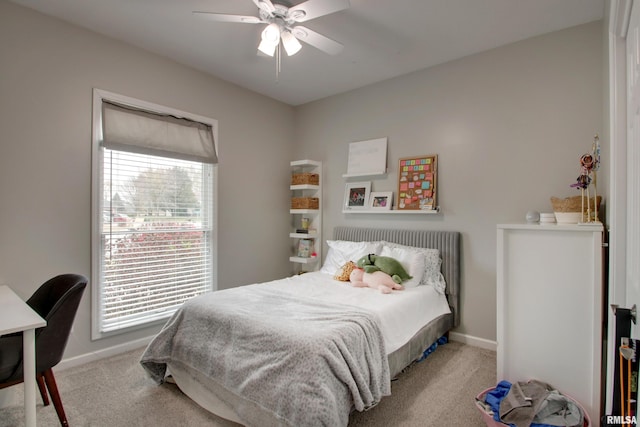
376,280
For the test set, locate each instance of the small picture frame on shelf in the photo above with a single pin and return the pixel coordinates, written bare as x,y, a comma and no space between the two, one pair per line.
305,248
356,195
381,200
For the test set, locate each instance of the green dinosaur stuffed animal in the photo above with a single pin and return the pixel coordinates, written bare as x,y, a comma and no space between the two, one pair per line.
391,266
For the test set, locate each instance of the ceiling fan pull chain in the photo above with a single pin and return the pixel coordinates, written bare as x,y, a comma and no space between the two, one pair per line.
277,62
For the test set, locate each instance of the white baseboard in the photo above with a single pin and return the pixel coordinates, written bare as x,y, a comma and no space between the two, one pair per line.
10,397
101,354
142,342
474,341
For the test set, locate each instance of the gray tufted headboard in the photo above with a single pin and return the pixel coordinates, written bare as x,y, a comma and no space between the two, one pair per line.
448,242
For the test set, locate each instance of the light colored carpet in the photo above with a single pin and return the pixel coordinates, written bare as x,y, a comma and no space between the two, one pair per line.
439,391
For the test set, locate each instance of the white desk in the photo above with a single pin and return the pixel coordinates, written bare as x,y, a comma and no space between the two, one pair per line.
17,316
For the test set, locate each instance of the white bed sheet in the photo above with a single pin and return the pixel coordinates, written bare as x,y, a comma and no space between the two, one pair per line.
402,313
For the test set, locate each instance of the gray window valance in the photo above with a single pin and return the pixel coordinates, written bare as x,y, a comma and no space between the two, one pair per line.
136,130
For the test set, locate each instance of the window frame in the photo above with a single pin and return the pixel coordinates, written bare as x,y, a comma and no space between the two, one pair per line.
97,200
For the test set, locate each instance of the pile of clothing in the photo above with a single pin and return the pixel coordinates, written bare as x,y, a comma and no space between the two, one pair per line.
531,404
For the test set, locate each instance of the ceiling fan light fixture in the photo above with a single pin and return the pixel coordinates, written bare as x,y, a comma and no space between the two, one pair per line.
290,42
281,25
267,48
271,34
270,39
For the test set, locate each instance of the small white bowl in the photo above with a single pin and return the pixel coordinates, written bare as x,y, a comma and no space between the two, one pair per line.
568,217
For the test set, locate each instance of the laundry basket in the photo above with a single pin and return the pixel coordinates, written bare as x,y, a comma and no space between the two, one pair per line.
490,422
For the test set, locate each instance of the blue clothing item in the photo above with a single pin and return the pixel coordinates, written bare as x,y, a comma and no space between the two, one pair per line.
494,397
440,341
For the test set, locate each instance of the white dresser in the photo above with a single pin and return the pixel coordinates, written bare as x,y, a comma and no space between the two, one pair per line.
550,308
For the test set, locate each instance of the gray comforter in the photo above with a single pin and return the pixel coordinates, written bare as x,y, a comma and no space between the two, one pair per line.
304,363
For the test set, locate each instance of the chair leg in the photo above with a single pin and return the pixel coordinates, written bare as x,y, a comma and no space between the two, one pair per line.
55,396
43,390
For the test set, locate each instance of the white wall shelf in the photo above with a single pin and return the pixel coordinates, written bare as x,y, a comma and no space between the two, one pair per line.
392,211
306,163
304,211
304,187
301,260
314,216
311,235
365,175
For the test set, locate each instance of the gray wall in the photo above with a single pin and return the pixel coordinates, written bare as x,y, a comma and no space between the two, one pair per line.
47,72
508,126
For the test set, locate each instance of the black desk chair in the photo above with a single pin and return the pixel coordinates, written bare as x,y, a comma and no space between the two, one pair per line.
56,301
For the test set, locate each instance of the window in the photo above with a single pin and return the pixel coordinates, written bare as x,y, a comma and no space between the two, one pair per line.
154,202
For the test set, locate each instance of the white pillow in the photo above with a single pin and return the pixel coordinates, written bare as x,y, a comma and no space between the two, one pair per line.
411,260
341,251
432,262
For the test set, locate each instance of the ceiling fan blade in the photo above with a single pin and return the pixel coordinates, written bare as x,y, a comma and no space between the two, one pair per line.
317,40
314,8
265,5
222,17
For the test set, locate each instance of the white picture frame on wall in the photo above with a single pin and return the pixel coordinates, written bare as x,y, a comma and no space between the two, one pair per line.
381,200
356,195
367,158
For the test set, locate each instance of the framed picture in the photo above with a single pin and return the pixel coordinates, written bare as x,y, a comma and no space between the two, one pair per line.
305,248
381,200
356,195
417,183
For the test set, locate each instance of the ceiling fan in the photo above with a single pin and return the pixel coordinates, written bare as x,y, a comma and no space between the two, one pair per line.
282,24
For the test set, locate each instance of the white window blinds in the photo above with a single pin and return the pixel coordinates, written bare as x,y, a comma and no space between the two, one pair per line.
156,225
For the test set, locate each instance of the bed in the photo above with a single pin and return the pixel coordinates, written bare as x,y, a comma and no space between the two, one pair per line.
308,349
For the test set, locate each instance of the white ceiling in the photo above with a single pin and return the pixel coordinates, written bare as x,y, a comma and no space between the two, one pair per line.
381,38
